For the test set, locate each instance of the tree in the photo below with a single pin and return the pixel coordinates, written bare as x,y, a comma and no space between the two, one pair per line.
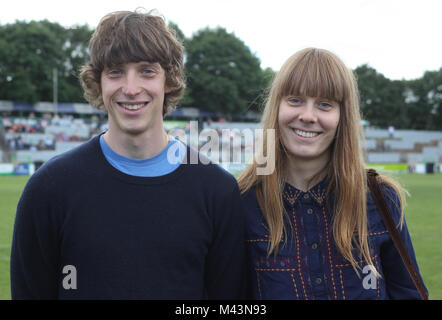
382,101
75,53
424,99
28,54
187,97
222,73
179,34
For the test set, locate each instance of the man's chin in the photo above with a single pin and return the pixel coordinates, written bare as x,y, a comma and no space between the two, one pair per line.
135,131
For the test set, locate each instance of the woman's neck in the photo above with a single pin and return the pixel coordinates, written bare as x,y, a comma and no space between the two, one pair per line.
303,174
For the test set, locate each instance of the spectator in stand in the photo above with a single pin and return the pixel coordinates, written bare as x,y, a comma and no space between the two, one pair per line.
12,144
391,131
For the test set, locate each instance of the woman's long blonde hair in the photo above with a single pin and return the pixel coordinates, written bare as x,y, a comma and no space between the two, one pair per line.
319,73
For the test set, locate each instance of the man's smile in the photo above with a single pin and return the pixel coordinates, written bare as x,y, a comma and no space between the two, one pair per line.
133,106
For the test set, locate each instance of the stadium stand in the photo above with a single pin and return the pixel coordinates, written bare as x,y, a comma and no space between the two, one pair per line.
383,157
35,133
399,144
370,144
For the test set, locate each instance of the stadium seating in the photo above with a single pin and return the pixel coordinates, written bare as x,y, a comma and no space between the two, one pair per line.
384,157
370,144
39,139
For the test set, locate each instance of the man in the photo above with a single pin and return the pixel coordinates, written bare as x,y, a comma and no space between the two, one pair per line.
114,218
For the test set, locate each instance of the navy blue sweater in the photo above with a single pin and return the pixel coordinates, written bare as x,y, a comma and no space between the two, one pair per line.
177,236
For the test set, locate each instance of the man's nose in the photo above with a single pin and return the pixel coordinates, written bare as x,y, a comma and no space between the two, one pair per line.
132,85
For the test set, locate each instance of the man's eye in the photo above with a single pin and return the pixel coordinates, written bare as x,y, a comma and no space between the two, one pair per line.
148,71
114,72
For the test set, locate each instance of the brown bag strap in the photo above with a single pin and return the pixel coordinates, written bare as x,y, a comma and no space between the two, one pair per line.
392,230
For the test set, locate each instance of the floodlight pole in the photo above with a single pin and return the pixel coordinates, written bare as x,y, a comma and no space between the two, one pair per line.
55,89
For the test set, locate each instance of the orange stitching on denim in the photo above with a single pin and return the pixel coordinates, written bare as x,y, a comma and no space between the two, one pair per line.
290,196
298,254
319,196
258,240
342,284
294,285
276,269
358,262
377,233
327,237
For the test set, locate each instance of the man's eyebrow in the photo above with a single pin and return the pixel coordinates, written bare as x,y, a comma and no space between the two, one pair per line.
148,64
113,65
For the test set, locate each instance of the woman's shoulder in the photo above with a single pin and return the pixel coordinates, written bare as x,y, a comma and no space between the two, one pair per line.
255,227
393,201
249,194
251,206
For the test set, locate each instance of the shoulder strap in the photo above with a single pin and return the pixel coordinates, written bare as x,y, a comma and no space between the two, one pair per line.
392,230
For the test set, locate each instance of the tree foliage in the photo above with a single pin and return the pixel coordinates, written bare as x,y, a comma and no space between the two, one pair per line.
223,74
28,54
424,98
412,104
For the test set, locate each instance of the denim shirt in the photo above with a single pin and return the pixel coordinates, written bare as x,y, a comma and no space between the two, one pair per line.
308,264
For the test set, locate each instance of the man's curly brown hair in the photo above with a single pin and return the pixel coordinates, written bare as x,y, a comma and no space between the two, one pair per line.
126,36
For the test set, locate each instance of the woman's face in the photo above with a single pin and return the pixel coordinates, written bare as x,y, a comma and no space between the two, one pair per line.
308,126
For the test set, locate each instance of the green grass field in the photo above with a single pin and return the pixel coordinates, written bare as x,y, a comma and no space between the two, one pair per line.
423,213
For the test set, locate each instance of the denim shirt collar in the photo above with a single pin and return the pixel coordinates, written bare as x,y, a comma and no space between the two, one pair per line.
317,193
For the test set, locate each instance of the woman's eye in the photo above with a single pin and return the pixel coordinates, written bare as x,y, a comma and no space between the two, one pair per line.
294,101
325,105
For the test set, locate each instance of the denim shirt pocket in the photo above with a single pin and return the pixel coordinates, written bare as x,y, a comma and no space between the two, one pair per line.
365,285
271,275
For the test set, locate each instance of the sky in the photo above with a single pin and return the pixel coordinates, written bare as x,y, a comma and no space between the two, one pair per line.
399,38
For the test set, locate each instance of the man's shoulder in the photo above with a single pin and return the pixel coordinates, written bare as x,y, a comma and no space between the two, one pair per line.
203,168
68,161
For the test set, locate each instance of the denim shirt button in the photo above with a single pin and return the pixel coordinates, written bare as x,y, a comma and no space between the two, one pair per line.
318,280
309,211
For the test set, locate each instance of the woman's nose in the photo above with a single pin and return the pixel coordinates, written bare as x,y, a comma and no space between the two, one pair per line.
308,113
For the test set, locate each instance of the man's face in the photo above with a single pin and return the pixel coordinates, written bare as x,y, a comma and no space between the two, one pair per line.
133,94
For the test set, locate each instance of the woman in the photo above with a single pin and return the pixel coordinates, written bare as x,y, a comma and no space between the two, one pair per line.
313,231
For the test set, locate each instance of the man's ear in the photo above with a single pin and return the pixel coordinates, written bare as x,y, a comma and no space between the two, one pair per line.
167,89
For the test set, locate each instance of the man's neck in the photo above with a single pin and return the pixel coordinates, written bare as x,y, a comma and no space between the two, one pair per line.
142,146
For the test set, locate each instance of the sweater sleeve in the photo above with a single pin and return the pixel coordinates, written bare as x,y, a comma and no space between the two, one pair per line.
225,264
398,281
34,252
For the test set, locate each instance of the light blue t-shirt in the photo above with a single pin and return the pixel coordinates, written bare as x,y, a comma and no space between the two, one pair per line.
163,163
